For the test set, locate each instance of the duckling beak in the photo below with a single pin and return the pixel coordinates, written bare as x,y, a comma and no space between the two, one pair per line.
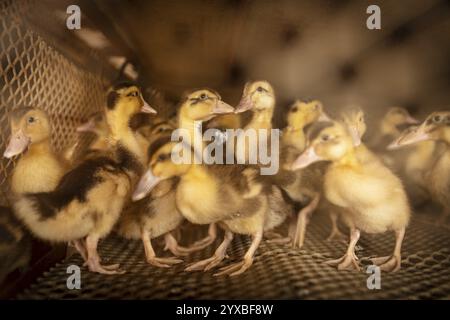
411,120
17,144
244,105
395,144
323,117
222,108
413,137
147,182
308,157
146,108
88,126
356,137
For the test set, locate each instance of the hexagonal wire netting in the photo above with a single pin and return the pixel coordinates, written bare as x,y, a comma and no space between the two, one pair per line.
32,73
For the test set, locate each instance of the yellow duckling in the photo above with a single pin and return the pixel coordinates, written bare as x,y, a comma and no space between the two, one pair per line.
88,200
436,127
390,127
40,168
300,115
371,195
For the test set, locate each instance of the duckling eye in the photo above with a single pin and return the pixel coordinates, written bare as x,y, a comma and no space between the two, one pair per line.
437,118
162,157
294,109
361,119
325,137
203,96
133,94
31,119
260,89
316,107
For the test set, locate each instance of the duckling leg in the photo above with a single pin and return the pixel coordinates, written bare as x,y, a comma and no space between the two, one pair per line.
151,256
203,243
302,221
240,267
392,263
93,260
349,260
335,233
80,247
174,247
217,258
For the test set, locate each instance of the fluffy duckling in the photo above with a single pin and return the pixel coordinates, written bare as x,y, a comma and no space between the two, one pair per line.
259,98
371,195
229,195
156,214
15,243
391,126
196,108
301,185
436,127
40,168
88,200
300,115
417,163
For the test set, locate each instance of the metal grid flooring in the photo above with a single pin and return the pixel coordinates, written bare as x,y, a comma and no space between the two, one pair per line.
279,272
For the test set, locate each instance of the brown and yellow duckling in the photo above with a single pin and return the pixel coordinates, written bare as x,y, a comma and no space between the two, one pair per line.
88,200
436,127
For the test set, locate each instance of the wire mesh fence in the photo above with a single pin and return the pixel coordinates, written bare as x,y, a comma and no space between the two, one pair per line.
33,73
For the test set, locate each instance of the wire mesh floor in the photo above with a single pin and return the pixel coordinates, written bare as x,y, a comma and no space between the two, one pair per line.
279,272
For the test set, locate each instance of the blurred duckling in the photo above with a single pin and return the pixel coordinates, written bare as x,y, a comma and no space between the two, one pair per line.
417,163
390,127
371,195
97,125
436,127
15,243
40,168
88,200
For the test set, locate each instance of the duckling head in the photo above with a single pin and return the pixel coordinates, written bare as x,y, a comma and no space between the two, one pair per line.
396,117
435,127
203,105
96,123
328,141
160,167
303,113
28,126
353,118
126,99
257,96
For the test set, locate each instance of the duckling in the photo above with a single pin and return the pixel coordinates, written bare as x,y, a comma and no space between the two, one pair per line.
40,168
418,161
300,115
197,107
89,198
391,126
156,214
15,243
228,195
371,195
436,127
259,97
301,184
